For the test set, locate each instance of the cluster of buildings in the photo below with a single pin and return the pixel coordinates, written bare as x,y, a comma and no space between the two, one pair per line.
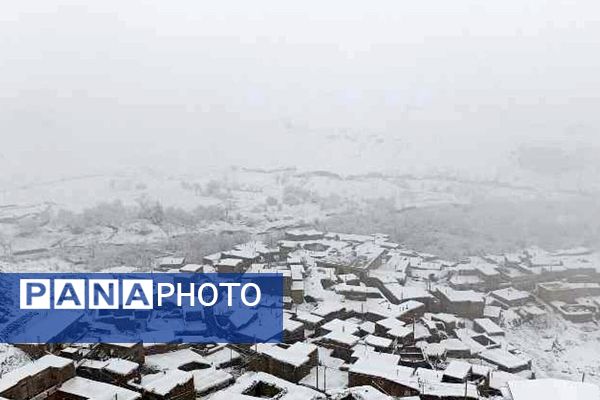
364,319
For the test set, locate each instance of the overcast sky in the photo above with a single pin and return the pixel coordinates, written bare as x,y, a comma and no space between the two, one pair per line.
88,85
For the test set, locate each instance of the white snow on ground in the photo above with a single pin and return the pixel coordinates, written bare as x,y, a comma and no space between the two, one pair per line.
553,389
11,358
363,393
52,264
560,349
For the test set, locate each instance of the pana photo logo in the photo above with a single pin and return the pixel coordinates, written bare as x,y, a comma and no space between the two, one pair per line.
159,307
74,294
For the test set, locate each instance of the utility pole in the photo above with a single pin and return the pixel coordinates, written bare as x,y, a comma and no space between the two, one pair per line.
318,363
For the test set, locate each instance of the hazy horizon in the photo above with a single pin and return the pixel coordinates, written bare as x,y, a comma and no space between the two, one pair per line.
345,86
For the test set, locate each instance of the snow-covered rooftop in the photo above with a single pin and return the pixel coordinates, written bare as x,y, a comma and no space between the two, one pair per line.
174,359
89,389
289,391
458,369
511,294
162,383
10,379
553,389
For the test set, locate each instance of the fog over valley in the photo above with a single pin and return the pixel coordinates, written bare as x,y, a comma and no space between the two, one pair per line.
412,88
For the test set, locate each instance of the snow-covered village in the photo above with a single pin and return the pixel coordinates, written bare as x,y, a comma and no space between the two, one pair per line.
299,200
364,318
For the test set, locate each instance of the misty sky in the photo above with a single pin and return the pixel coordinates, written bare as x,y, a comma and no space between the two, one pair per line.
93,85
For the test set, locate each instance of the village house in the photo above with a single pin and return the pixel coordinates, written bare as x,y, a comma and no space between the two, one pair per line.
347,326
487,326
339,261
166,385
510,297
207,377
248,256
457,372
411,310
127,351
192,268
349,279
368,256
402,335
567,291
464,303
211,380
429,375
397,294
254,385
493,313
575,312
297,291
64,327
292,363
310,321
297,235
230,266
382,327
79,388
297,271
286,247
519,278
222,357
357,292
183,359
341,343
379,343
455,348
381,370
212,259
36,377
488,273
465,282
448,391
413,356
115,371
329,311
477,342
74,353
251,252
293,331
532,312
506,361
449,321
168,263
